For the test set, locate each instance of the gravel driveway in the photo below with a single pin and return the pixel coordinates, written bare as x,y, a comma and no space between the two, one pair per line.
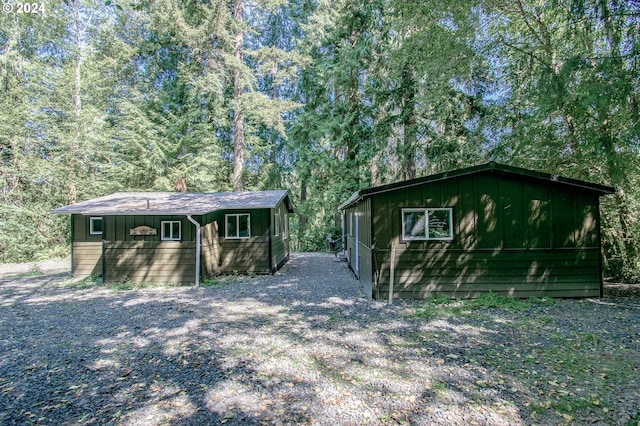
304,347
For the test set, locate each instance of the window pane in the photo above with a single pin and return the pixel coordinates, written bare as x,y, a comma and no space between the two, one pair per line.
166,230
439,224
414,225
244,225
276,224
175,231
96,225
231,227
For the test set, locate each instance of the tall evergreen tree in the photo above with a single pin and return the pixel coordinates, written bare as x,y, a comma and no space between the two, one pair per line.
571,75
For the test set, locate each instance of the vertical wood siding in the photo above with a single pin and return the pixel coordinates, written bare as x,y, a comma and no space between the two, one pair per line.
117,227
247,254
362,213
279,244
148,258
210,250
517,237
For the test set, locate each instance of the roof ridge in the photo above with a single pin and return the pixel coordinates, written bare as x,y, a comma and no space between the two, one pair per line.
489,166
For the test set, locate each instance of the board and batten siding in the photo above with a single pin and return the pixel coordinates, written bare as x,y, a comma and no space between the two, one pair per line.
360,215
117,228
210,250
86,249
231,255
146,258
514,236
280,242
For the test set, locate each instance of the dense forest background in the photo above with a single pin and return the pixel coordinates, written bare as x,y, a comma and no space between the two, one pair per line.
319,97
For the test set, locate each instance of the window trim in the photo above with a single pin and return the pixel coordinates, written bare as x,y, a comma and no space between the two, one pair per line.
93,219
237,230
426,211
163,237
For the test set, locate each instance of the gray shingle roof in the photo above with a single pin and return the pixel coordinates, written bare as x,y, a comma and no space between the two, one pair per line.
176,203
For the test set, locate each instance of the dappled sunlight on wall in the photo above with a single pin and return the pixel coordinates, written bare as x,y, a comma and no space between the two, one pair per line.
537,273
466,230
512,236
538,229
489,218
584,236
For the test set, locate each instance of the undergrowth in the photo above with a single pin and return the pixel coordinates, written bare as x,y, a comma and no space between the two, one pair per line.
438,305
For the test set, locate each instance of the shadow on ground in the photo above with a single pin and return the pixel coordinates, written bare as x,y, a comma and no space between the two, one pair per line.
304,347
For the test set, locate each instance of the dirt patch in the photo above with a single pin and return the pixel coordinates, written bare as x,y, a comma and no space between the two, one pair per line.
622,290
52,266
304,347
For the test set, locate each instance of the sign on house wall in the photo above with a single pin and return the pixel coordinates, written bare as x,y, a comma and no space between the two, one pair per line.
143,230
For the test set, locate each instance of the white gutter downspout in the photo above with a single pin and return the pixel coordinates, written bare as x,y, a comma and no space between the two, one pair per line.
198,241
342,240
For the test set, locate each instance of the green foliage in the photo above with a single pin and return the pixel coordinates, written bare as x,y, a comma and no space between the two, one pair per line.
336,95
570,98
495,300
441,306
438,299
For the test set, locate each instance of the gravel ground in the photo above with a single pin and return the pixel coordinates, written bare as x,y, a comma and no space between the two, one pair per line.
304,347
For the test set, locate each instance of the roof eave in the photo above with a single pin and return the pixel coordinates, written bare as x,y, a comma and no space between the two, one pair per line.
88,208
355,197
133,212
486,167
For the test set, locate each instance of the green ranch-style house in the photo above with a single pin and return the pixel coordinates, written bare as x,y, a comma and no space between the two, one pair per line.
489,228
179,236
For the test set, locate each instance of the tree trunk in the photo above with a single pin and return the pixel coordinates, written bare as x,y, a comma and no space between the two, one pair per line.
302,218
617,170
238,89
408,160
77,104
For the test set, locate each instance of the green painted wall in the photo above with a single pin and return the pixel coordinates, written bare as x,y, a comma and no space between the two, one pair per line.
516,236
280,242
147,258
246,254
86,249
151,261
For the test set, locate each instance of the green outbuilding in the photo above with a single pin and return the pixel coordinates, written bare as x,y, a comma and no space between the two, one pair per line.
488,228
179,237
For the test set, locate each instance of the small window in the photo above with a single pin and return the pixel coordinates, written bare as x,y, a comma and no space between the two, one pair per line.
276,224
351,223
427,224
171,230
95,226
237,225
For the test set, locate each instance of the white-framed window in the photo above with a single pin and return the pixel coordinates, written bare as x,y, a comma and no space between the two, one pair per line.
171,230
427,224
95,225
237,225
276,224
286,226
351,223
